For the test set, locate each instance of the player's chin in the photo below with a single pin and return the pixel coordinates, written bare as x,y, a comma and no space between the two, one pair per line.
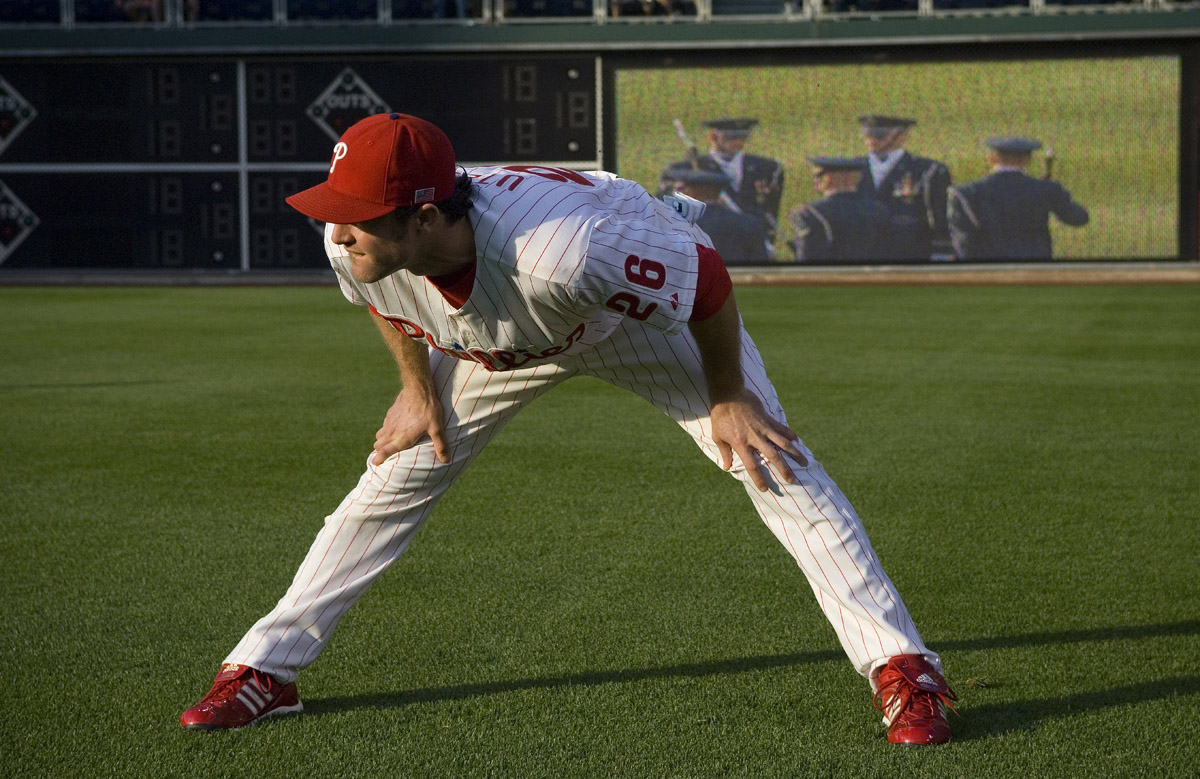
368,272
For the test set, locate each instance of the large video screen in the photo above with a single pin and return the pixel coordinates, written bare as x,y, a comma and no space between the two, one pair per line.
1107,132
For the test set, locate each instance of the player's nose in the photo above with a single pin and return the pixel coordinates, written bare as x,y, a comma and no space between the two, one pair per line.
341,235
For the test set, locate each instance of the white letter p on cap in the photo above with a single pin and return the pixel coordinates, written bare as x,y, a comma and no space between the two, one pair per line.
339,151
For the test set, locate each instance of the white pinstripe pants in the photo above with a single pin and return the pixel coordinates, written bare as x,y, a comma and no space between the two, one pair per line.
378,519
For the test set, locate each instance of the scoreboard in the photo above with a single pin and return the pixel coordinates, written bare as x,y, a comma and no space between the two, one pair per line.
185,163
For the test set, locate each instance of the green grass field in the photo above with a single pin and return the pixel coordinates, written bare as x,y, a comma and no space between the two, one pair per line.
1112,122
594,599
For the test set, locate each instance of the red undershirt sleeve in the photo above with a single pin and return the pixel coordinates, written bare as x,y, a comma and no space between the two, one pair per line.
713,284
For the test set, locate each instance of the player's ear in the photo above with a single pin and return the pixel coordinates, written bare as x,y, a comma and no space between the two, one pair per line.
427,216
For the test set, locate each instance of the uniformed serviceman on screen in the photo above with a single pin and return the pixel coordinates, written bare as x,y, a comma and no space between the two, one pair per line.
845,225
913,189
1006,215
740,239
756,183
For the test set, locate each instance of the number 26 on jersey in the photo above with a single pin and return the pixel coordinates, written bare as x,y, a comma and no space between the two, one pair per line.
643,273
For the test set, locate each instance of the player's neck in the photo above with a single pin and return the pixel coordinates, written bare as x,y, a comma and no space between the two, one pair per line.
455,251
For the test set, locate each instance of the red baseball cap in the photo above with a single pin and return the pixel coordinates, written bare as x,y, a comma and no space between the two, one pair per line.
383,162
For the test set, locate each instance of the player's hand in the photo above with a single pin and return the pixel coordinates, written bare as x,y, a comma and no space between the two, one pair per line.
415,416
743,427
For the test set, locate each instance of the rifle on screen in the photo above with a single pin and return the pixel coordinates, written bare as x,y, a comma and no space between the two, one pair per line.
692,155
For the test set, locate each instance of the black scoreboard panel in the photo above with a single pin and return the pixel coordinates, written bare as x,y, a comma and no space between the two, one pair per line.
126,220
174,163
281,238
492,109
120,112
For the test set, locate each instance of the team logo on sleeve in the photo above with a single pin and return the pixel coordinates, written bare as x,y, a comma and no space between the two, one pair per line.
15,114
345,101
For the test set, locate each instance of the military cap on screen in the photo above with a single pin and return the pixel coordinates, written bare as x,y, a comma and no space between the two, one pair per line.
835,164
732,127
700,178
879,122
1014,145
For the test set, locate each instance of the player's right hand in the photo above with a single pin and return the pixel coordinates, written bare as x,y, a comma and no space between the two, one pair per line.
414,417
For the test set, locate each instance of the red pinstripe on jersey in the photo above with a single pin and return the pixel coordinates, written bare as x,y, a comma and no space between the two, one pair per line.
520,302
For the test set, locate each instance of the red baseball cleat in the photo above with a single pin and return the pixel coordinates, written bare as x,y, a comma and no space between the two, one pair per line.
913,697
241,696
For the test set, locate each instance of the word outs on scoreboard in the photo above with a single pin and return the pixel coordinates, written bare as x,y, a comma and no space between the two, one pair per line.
183,163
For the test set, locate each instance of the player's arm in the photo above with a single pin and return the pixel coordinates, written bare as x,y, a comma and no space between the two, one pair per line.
417,413
740,424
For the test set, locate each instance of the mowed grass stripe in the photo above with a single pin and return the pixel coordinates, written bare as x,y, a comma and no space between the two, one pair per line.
594,598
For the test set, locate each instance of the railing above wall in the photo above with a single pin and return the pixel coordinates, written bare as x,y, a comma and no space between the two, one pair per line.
98,14
124,27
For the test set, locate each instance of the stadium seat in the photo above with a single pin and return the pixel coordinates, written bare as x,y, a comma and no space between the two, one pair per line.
870,6
229,10
951,5
118,10
30,12
520,8
748,7
332,10
435,9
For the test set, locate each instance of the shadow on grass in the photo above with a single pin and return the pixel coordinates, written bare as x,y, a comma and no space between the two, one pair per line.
387,700
998,719
984,721
1120,632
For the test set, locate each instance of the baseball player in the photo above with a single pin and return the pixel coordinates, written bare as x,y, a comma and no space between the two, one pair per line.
490,287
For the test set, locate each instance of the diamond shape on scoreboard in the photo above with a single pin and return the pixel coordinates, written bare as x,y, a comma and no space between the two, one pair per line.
16,222
15,113
344,102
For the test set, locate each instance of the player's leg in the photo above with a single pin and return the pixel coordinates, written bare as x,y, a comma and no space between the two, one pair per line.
378,519
813,519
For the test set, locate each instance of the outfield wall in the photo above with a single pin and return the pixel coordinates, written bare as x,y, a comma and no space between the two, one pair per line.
168,149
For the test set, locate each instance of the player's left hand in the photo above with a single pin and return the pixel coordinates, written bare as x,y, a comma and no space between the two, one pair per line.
416,416
742,426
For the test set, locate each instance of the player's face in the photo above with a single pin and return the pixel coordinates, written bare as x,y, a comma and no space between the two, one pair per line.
380,247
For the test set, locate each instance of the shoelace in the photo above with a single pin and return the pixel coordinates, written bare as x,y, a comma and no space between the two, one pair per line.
231,687
912,699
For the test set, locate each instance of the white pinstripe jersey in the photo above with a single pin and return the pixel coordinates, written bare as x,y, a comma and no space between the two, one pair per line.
561,256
